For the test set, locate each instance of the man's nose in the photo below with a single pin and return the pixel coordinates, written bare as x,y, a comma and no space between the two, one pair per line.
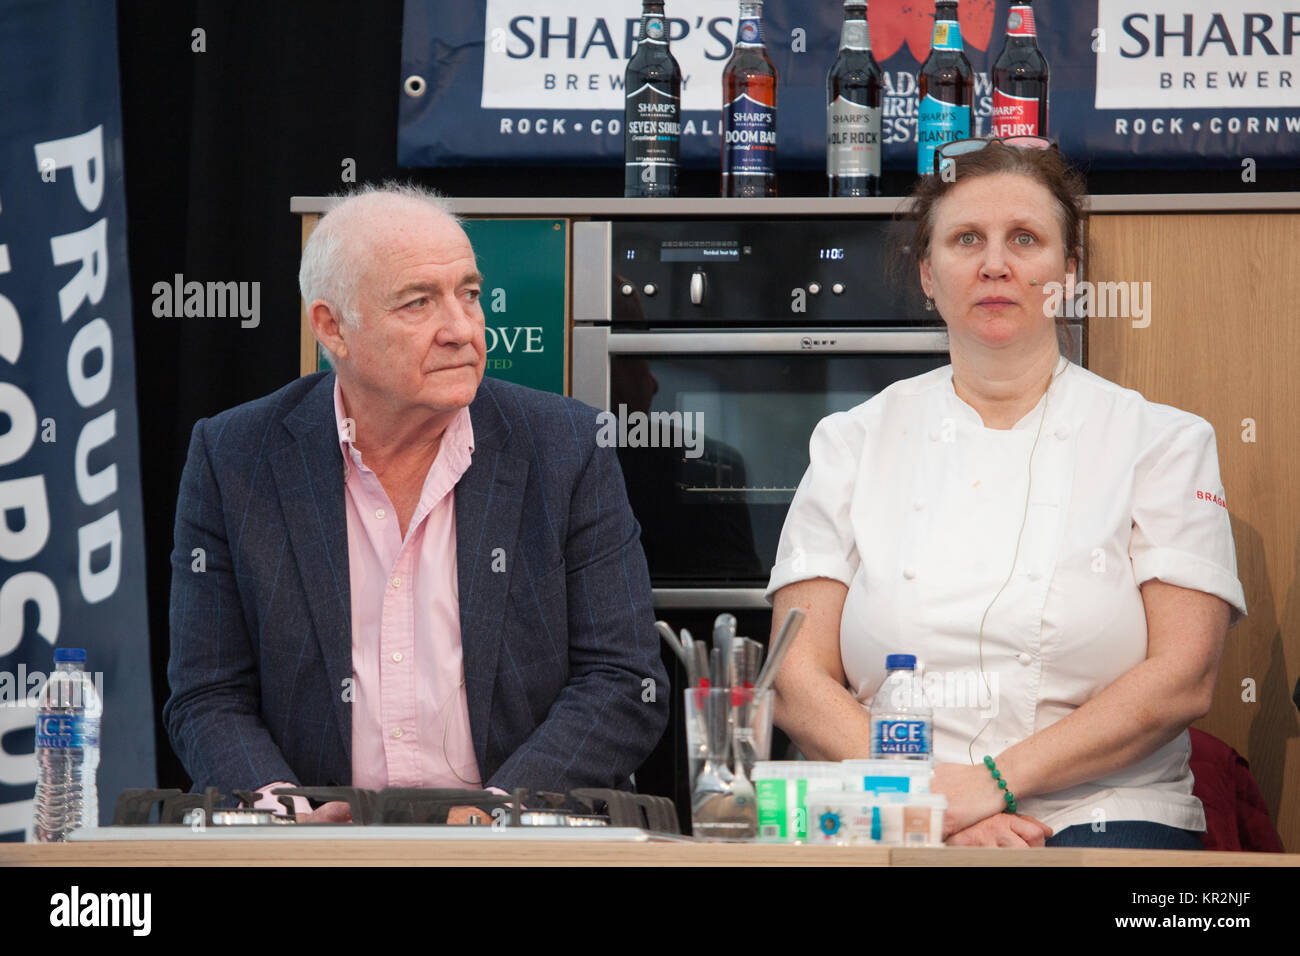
461,323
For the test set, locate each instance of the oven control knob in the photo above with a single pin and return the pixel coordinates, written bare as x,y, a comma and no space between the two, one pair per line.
814,288
698,285
650,288
628,288
838,288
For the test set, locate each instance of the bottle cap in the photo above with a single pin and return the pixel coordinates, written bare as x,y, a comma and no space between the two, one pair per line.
900,662
69,654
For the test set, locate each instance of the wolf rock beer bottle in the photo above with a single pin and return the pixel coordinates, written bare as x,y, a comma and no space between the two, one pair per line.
749,111
945,89
1020,78
853,92
652,118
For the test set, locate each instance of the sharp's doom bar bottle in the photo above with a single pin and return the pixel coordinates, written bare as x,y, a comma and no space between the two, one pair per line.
749,111
853,94
652,115
945,89
1020,78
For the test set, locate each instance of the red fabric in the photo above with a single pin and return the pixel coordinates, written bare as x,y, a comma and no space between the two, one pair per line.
1236,817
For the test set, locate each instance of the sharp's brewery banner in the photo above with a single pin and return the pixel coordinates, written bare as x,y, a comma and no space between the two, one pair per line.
71,541
1156,83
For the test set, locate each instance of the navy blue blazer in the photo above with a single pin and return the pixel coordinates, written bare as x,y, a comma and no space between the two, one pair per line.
562,669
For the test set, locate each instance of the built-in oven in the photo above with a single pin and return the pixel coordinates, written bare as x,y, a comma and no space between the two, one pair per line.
716,347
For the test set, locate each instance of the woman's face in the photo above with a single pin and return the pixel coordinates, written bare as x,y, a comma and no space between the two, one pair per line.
996,244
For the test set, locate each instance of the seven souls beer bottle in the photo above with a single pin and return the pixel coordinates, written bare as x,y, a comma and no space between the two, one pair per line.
853,92
1020,78
945,89
652,119
749,111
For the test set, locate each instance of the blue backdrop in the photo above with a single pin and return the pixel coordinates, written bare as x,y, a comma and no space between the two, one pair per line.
1134,83
71,541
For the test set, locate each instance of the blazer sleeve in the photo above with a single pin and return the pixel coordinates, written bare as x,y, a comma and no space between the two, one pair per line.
613,710
213,714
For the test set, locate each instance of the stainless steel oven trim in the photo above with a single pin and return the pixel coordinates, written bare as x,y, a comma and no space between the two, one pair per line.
593,247
684,599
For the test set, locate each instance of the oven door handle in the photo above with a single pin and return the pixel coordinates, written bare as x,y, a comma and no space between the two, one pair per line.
797,342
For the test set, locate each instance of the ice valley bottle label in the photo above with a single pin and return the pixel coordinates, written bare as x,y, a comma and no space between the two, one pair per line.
852,139
654,130
749,138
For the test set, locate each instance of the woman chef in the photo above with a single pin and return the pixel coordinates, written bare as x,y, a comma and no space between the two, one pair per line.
1023,527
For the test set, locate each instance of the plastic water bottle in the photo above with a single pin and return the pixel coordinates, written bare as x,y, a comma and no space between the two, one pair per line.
901,719
67,749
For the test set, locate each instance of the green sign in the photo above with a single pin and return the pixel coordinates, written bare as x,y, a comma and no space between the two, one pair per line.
524,266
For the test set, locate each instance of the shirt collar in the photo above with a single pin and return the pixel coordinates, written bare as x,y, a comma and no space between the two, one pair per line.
457,441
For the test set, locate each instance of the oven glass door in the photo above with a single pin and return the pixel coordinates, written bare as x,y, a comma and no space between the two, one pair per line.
720,444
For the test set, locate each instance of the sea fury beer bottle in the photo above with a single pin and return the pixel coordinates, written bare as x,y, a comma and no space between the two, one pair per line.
1020,78
749,111
652,118
945,89
853,92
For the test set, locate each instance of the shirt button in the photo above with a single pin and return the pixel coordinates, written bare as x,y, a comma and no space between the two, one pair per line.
918,504
1024,659
934,434
1063,433
1034,575
397,582
397,732
397,656
909,573
380,513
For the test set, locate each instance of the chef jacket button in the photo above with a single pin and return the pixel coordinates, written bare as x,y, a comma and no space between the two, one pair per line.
909,573
934,434
1063,433
1034,575
918,504
1024,659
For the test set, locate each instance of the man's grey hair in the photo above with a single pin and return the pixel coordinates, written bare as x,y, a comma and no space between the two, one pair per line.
331,271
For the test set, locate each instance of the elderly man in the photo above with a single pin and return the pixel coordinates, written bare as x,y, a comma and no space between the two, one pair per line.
402,573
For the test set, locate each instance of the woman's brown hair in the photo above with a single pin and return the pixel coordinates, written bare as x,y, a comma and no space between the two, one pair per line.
1044,166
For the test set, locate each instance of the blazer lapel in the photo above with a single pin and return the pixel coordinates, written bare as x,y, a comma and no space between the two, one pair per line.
309,476
489,503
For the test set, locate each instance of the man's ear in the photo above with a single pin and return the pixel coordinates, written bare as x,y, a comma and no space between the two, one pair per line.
328,327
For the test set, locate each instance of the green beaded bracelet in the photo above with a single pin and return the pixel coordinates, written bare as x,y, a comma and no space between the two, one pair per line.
1007,795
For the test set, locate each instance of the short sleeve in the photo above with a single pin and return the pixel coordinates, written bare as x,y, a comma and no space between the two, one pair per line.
817,540
1182,533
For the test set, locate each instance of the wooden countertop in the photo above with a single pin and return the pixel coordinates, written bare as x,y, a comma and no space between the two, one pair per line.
496,852
682,208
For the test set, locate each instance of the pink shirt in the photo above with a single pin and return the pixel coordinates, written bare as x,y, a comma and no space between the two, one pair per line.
410,715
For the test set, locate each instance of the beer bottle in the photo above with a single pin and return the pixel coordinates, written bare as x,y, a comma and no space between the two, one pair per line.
652,118
749,111
853,95
945,89
1020,78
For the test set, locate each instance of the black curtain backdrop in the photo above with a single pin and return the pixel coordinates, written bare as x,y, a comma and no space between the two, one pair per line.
216,143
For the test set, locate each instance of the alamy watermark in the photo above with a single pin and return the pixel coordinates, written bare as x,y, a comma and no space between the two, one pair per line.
638,429
1101,300
208,300
956,689
23,688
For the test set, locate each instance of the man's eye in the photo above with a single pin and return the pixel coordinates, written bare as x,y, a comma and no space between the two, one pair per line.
473,294
419,303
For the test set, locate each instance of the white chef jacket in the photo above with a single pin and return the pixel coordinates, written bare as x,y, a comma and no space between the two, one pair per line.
916,506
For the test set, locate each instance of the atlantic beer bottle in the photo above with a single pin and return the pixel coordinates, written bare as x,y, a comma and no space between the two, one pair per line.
1020,78
945,89
853,96
749,111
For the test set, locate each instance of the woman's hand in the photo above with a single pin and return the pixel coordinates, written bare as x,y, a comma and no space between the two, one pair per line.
1003,829
972,795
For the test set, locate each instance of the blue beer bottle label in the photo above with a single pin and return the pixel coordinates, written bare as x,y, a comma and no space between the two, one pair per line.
749,138
947,35
938,122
